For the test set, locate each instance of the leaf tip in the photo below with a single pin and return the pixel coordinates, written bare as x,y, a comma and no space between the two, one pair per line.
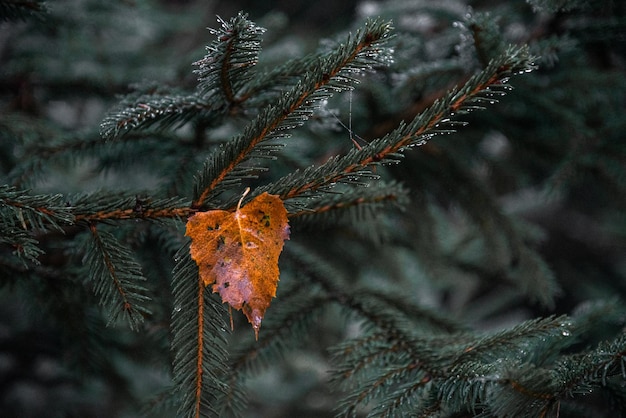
255,316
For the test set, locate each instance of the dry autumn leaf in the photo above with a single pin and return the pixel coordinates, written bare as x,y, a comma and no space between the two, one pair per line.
237,252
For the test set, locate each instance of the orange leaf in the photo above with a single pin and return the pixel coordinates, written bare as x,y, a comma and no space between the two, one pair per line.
237,252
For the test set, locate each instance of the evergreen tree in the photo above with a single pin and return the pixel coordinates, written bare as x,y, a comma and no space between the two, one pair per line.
453,174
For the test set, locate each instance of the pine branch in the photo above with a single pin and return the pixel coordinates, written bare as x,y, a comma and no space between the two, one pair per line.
411,397
423,318
24,245
507,342
117,278
579,373
372,365
23,214
20,209
327,207
439,119
198,342
462,367
227,69
509,386
390,348
99,206
222,74
163,110
486,34
270,85
44,146
287,328
323,274
37,212
224,169
473,383
396,372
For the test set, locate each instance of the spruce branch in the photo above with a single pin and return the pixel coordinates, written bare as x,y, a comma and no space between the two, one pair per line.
389,353
163,110
23,215
45,146
326,277
411,393
510,386
508,341
396,372
227,69
224,169
99,207
469,386
23,244
449,364
369,367
524,391
328,206
440,118
198,341
421,317
222,74
270,84
18,208
287,328
579,373
117,278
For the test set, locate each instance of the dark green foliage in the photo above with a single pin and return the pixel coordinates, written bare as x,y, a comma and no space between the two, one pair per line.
21,9
118,278
457,246
212,356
